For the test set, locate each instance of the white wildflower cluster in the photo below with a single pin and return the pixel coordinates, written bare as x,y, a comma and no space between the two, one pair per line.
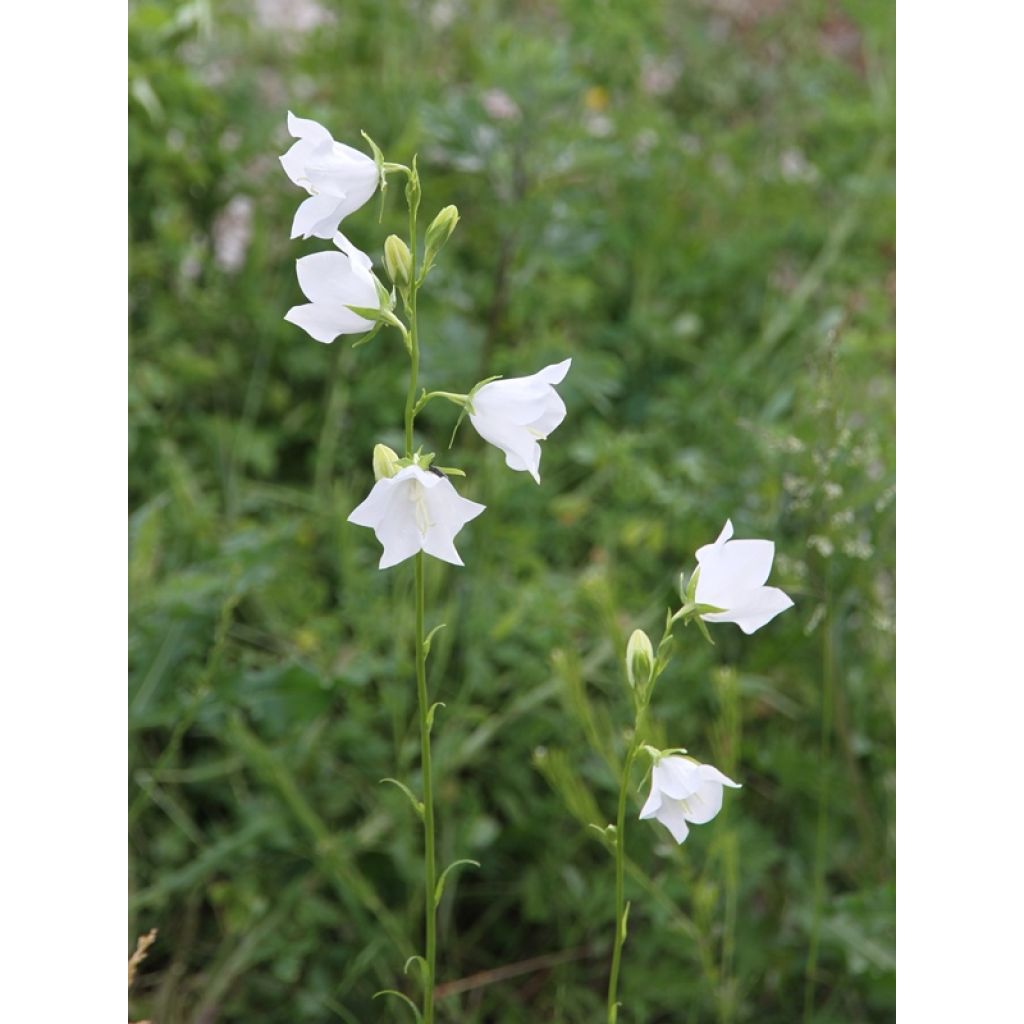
413,506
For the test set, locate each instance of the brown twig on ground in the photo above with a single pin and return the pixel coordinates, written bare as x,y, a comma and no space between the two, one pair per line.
516,970
141,949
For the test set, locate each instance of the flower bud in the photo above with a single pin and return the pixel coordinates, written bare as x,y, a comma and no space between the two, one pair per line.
398,261
439,232
639,659
385,462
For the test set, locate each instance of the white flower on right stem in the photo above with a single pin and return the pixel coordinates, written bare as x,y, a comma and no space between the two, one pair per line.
333,281
338,178
683,791
732,577
515,415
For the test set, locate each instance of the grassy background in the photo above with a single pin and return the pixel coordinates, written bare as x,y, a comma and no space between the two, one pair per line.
695,202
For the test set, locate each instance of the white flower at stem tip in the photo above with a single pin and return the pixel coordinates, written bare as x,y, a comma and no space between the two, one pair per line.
683,791
732,576
515,415
333,281
338,178
415,510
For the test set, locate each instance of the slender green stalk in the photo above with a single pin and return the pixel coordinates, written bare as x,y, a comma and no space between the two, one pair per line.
429,854
429,842
821,840
620,879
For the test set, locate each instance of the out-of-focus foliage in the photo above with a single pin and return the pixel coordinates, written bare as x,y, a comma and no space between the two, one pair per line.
695,202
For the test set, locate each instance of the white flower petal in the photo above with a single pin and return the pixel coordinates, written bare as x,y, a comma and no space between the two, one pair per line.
515,414
757,609
312,214
555,373
709,773
374,506
653,802
415,510
670,814
676,777
700,807
305,128
322,276
323,322
730,571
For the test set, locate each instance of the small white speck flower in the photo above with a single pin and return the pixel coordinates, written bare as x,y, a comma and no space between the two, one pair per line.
732,576
333,281
515,415
415,510
683,791
338,178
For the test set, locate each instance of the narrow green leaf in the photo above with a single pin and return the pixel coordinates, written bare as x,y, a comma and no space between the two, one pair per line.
416,804
431,711
405,999
439,889
624,931
451,471
420,962
430,636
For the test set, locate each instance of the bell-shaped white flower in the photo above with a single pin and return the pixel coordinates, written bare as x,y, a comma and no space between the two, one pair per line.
338,178
732,576
683,791
514,415
415,510
333,281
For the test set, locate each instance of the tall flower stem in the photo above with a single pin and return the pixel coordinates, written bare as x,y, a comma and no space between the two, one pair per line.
412,193
620,878
429,854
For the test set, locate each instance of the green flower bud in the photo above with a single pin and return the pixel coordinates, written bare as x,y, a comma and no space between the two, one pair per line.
438,233
398,261
385,462
639,659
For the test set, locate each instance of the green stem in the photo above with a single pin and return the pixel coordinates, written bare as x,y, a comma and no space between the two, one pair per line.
429,856
620,877
429,842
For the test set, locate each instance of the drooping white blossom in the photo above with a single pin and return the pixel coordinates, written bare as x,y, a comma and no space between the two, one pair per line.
683,791
515,415
415,510
338,178
333,281
732,576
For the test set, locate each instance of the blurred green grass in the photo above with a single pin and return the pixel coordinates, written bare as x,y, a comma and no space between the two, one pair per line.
695,202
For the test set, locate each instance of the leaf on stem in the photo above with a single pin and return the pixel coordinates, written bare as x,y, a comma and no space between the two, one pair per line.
431,711
420,962
439,888
416,803
430,636
405,999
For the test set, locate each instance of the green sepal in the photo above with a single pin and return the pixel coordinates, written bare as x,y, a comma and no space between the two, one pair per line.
380,315
702,626
451,471
382,178
417,804
439,888
690,597
405,999
369,336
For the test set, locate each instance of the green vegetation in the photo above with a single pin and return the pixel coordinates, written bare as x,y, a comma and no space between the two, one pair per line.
695,202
